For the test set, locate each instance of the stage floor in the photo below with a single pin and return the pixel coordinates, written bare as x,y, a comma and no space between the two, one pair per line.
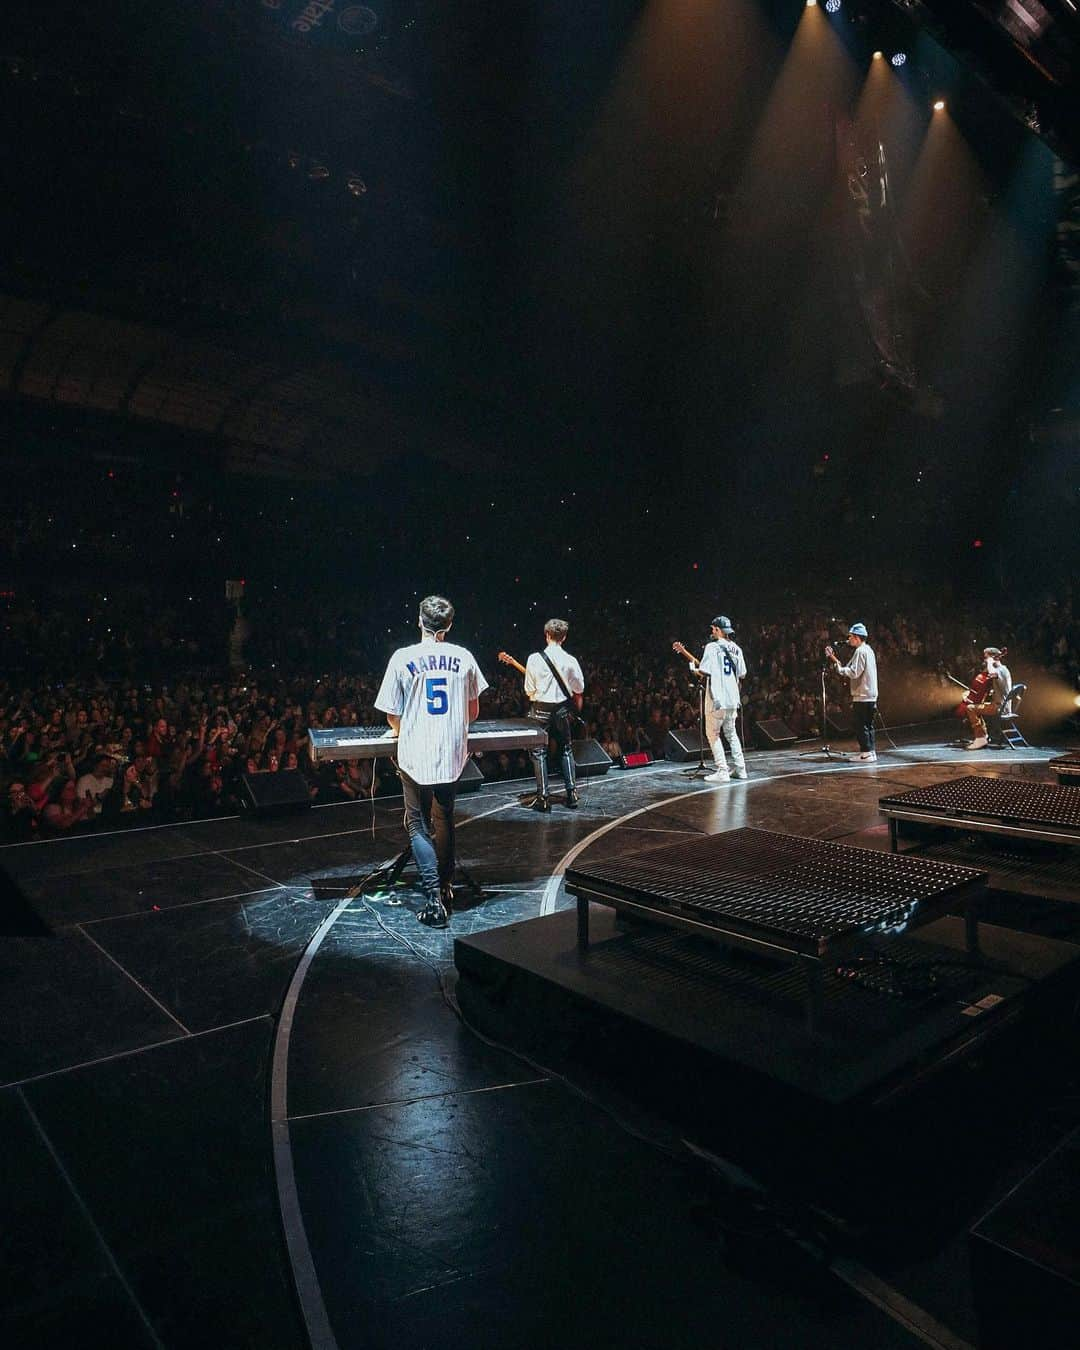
217,1089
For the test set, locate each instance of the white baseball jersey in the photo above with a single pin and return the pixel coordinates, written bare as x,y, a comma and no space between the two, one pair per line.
429,686
541,686
725,666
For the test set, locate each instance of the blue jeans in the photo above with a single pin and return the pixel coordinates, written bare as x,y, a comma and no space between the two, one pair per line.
864,724
429,819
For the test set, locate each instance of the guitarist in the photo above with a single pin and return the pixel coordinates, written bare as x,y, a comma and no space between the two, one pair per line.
724,665
554,685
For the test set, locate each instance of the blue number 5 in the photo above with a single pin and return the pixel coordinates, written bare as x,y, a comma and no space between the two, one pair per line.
729,668
438,701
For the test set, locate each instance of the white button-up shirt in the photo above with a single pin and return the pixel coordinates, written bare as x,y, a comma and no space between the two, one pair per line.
541,686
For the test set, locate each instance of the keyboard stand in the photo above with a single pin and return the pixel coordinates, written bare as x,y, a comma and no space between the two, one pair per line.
390,873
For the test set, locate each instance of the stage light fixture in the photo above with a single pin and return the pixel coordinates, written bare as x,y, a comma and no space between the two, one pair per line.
811,4
939,105
878,56
898,59
831,6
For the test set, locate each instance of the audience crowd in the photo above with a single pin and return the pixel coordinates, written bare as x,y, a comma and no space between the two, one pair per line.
93,746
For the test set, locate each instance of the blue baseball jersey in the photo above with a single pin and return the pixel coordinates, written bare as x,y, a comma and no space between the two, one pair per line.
429,686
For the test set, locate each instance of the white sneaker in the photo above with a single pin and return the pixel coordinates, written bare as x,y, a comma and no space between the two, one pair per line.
718,777
869,757
979,743
739,773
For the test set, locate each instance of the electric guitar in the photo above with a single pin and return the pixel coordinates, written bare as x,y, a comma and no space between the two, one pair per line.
508,660
683,651
576,700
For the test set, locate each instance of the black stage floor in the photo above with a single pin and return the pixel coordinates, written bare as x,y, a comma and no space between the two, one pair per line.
216,1091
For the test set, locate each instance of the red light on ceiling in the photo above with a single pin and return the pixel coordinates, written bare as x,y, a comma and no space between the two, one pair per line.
825,458
976,543
695,566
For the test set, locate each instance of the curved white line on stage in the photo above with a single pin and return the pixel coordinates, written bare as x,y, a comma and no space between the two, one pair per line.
308,1290
551,890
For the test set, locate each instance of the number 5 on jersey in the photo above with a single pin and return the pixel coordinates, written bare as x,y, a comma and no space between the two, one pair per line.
438,700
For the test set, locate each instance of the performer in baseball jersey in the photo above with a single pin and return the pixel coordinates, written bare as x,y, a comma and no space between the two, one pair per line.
724,664
861,672
430,693
553,686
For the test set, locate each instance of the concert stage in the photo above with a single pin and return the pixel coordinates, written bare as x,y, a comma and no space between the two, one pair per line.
237,1113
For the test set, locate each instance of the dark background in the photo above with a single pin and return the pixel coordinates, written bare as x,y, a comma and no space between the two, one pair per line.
556,301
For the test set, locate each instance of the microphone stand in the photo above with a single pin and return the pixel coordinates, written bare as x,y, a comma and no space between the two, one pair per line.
825,748
700,769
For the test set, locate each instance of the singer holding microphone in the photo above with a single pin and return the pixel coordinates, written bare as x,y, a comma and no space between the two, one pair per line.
861,673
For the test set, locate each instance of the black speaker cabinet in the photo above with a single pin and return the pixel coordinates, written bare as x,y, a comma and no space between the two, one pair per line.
591,759
275,794
773,734
683,746
471,777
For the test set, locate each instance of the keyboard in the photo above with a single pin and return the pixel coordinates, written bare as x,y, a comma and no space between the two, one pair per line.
508,733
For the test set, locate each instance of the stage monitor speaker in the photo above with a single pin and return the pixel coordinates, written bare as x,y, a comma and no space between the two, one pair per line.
471,777
683,746
275,794
773,734
635,759
591,759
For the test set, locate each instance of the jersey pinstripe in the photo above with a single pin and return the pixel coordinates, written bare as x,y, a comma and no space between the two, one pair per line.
725,666
429,686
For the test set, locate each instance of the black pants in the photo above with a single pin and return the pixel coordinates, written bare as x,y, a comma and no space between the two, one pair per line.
555,719
429,819
864,724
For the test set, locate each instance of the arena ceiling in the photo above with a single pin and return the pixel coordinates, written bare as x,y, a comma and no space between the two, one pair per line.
275,413
275,223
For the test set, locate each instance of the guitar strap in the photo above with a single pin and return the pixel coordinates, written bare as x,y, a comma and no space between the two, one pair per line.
558,678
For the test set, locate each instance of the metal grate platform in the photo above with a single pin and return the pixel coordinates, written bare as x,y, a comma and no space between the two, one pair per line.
802,896
1067,768
1011,806
807,900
